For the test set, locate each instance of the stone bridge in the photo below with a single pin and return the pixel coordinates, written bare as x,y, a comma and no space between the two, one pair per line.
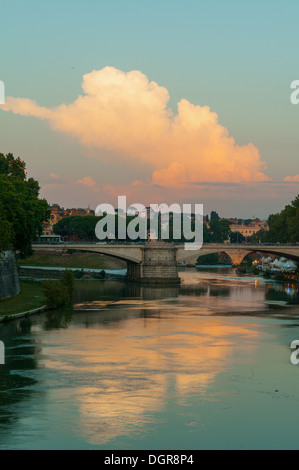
157,262
237,252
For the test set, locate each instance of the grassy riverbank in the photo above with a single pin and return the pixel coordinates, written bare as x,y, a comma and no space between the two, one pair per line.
30,298
75,260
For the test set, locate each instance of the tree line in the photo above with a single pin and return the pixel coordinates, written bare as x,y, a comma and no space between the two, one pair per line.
76,228
22,213
283,228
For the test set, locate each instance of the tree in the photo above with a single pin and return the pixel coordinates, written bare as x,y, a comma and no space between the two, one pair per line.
220,230
206,236
214,216
236,237
284,226
12,167
56,294
77,227
68,280
21,209
59,293
259,237
6,235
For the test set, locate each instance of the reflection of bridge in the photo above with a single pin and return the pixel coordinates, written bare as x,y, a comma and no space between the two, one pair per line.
158,261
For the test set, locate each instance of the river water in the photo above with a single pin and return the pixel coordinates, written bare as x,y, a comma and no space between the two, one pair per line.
203,366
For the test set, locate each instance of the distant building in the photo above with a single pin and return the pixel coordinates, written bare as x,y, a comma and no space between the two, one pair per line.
58,213
248,230
232,220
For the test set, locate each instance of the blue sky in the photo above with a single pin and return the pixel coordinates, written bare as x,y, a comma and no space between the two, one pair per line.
238,58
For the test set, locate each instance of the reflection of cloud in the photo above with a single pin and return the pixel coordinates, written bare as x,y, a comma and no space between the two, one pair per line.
126,113
123,370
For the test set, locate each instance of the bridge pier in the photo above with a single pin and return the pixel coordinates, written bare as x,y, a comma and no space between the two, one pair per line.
158,265
237,256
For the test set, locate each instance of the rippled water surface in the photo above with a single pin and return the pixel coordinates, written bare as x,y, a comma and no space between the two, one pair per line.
206,365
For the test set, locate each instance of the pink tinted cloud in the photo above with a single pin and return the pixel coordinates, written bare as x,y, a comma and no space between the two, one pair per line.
292,179
88,181
54,176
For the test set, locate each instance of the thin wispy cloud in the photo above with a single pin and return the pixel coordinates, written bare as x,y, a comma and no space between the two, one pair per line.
54,176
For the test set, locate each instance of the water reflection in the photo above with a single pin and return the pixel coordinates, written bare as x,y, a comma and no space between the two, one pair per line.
58,318
126,360
126,371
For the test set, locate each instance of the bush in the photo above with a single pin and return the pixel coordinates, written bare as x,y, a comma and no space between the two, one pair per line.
255,271
267,275
247,262
59,293
79,274
56,293
279,277
68,281
100,275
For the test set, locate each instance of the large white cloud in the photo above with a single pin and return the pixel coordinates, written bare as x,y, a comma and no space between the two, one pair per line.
127,113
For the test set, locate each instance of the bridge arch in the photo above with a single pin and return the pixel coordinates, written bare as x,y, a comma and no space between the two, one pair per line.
135,254
130,254
238,252
236,256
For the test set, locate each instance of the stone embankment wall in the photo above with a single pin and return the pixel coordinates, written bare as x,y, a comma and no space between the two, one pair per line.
9,279
40,273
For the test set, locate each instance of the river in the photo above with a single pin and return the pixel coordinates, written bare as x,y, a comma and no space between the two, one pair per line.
203,366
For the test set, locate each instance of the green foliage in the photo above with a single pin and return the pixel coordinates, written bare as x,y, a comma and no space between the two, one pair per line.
279,277
6,235
22,212
68,281
12,167
260,236
59,293
255,271
206,235
100,275
236,237
219,230
212,259
214,216
79,274
284,226
247,262
56,293
77,227
267,275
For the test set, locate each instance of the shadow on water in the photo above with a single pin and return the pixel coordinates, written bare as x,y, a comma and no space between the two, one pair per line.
58,319
21,354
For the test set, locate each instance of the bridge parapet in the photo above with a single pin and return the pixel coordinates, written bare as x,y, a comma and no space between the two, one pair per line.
157,262
133,253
